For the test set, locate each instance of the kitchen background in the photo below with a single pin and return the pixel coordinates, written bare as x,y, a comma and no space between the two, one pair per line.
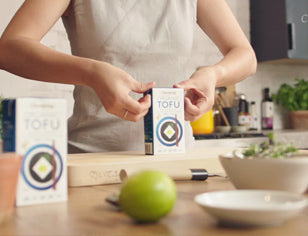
204,53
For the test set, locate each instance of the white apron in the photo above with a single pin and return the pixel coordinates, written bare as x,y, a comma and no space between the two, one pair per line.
149,39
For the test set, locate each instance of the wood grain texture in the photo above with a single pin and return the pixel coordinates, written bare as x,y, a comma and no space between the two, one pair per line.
87,213
104,168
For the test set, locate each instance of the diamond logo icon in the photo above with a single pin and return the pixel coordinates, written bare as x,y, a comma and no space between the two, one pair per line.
42,168
169,131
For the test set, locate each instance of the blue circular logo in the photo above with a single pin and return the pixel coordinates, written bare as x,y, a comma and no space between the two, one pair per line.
169,131
42,166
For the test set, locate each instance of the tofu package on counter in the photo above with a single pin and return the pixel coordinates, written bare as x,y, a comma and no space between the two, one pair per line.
36,129
164,123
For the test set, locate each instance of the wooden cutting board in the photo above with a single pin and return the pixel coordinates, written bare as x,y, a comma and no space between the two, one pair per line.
88,169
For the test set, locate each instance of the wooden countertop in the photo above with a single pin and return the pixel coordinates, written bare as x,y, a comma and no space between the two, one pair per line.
87,213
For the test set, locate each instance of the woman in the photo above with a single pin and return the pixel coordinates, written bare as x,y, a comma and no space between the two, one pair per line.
120,50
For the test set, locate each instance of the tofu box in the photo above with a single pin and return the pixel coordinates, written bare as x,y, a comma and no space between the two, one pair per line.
164,123
36,129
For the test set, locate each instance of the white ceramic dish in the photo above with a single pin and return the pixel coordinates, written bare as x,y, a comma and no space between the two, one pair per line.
289,174
252,207
239,129
222,129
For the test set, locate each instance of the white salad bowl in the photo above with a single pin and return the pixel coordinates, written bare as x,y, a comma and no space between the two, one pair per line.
287,174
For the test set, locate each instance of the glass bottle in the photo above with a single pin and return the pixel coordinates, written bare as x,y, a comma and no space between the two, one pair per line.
241,110
254,116
267,110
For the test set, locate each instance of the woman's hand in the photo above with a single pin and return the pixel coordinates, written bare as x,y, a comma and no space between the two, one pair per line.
200,93
113,87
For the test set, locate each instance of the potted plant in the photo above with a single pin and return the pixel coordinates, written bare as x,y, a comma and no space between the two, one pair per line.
295,99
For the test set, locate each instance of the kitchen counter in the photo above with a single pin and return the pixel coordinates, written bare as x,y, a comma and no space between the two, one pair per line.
87,213
229,142
297,137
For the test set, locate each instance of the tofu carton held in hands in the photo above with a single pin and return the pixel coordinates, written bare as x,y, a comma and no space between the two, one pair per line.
164,123
36,129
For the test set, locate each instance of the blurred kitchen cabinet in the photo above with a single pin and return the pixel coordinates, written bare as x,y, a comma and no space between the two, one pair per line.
279,30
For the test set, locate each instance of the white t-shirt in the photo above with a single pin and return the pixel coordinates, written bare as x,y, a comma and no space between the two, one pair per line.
149,39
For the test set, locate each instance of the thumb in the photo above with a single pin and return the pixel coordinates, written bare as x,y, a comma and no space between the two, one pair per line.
186,85
142,87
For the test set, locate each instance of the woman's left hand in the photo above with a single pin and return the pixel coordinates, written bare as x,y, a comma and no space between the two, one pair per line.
200,93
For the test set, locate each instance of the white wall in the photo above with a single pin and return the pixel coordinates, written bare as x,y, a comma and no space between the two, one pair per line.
204,53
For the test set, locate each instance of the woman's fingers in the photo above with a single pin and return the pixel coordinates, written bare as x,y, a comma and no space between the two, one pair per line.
138,87
132,116
196,104
135,110
192,111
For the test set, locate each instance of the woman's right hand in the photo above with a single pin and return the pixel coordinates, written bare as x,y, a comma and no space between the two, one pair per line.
113,86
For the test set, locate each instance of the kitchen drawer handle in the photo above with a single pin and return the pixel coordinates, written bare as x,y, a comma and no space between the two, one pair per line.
291,36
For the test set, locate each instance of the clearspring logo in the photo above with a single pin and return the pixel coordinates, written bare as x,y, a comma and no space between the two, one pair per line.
304,18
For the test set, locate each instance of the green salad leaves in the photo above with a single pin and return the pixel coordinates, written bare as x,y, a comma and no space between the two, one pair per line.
269,149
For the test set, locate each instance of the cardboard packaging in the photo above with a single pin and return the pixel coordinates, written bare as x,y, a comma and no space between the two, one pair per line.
36,129
164,123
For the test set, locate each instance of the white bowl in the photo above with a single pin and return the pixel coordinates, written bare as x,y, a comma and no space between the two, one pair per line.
222,129
252,207
289,174
239,129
